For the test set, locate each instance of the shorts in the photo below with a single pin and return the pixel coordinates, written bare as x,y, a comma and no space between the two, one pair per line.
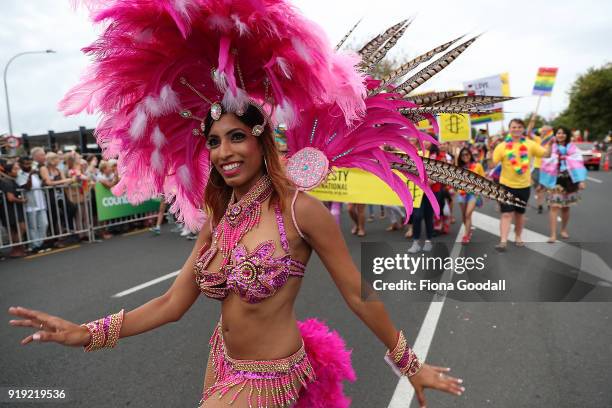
522,193
464,198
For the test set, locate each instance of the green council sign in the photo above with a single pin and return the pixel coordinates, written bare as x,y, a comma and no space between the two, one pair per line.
110,206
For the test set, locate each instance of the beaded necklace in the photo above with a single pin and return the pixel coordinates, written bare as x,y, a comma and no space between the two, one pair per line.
520,164
242,216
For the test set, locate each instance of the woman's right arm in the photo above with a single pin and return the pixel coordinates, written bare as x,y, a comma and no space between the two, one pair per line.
167,308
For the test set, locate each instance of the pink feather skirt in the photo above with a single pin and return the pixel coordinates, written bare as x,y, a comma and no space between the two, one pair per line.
312,377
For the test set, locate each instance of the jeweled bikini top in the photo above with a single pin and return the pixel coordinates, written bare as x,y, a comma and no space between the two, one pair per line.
253,276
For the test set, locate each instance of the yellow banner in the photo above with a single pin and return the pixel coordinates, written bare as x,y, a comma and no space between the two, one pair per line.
358,186
454,127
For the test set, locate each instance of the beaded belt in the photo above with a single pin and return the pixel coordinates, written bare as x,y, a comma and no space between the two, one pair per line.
267,366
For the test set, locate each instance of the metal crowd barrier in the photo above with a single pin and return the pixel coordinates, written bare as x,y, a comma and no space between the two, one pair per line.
68,213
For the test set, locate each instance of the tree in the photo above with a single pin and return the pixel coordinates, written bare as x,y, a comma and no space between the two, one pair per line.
590,101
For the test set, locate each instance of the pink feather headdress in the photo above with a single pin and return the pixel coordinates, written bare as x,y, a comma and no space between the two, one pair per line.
262,51
148,45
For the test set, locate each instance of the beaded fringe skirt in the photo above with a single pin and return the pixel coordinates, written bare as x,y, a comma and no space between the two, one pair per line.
268,382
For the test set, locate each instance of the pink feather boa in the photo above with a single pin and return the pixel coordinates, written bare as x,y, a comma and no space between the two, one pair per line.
331,362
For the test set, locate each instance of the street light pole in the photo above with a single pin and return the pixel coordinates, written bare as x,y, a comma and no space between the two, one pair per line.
6,95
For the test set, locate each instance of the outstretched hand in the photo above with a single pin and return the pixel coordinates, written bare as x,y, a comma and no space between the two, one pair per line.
49,328
436,378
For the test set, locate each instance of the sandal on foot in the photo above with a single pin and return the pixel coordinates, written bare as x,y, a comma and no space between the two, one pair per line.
501,247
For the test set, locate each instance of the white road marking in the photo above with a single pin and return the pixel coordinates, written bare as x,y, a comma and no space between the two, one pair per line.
404,392
594,179
146,284
571,255
590,263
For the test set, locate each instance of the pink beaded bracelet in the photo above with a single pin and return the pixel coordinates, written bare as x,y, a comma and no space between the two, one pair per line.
402,359
104,332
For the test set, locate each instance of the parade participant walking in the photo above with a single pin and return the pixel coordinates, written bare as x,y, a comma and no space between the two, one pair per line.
468,201
356,212
563,175
515,153
424,213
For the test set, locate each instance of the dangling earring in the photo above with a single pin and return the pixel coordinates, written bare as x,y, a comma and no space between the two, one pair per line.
266,164
210,176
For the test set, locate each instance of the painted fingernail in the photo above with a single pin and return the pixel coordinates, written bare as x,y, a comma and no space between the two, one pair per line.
460,381
36,337
458,393
462,389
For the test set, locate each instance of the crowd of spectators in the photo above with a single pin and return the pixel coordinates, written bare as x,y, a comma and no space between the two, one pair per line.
44,199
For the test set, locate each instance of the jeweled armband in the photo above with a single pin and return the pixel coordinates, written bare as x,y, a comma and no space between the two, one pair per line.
104,332
402,359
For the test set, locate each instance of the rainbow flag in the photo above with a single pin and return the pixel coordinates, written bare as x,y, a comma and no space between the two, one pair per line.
545,80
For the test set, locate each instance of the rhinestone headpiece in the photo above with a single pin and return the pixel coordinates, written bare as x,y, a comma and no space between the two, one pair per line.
216,108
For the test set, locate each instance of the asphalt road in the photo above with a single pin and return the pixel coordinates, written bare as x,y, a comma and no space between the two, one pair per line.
510,354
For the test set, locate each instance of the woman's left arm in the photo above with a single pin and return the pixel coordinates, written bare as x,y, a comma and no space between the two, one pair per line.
324,236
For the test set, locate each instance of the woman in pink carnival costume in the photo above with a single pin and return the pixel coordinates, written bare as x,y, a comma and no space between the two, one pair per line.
188,92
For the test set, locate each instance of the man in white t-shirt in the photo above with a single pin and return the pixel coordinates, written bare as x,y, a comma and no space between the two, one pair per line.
36,204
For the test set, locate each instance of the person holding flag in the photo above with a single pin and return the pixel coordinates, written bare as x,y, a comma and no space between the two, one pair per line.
545,135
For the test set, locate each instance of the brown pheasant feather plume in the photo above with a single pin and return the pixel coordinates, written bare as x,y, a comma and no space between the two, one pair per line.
432,69
432,97
410,65
347,35
374,44
459,178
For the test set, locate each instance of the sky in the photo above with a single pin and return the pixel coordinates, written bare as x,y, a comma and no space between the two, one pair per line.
519,36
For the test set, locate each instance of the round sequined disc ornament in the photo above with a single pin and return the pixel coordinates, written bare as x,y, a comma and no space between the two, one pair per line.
307,168
248,272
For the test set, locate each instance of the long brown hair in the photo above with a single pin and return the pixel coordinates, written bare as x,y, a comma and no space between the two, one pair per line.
217,193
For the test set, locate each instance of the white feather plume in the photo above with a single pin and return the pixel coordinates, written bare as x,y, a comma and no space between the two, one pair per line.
242,28
283,65
285,114
159,139
301,49
184,176
220,80
157,161
234,103
139,124
167,102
